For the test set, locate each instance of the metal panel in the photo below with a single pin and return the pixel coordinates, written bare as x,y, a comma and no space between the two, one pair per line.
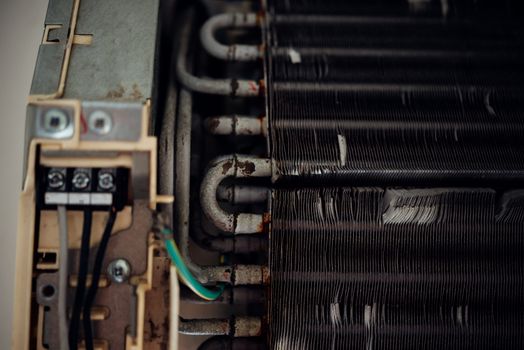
119,63
50,56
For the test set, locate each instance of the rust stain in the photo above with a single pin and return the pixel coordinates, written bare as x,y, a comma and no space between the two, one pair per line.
262,90
264,225
259,330
225,327
116,93
227,165
212,124
266,278
260,16
254,87
157,301
262,49
120,93
262,121
247,168
136,94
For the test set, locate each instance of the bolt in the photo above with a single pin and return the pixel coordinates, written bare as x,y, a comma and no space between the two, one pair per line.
100,122
80,180
55,179
119,270
106,181
55,120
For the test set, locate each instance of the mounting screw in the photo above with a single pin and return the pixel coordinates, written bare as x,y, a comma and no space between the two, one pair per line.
106,180
80,180
119,270
100,122
55,179
55,120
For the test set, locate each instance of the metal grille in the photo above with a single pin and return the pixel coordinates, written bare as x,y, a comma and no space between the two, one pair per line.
373,268
425,100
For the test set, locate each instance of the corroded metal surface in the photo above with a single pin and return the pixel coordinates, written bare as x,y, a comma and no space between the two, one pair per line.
237,166
156,330
242,326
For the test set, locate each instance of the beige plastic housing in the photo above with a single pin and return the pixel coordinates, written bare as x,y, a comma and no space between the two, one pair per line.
28,316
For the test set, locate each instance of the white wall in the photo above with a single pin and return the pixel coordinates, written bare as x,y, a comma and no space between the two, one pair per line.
21,26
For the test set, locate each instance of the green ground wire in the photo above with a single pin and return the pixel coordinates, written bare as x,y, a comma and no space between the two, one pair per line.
185,275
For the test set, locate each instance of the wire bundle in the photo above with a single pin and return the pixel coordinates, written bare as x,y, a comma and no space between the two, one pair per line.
183,271
81,280
83,301
386,268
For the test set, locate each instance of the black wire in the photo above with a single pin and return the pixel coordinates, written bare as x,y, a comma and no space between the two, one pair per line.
91,293
81,281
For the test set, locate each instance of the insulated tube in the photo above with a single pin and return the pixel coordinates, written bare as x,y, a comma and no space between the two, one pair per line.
231,87
231,52
236,275
236,244
183,175
240,326
238,166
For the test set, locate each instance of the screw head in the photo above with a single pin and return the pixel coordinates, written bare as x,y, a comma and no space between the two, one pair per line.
80,180
119,270
47,292
100,122
106,181
55,179
55,120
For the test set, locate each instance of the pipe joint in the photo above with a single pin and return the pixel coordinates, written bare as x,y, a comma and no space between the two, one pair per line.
237,166
237,125
227,87
231,52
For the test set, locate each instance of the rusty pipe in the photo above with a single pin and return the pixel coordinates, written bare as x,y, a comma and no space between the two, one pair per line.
183,175
236,245
231,87
237,166
238,275
239,244
230,52
240,326
182,210
237,125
